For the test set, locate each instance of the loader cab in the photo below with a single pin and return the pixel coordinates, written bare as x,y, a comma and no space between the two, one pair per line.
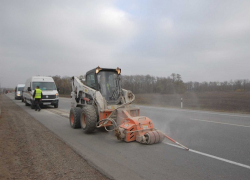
107,81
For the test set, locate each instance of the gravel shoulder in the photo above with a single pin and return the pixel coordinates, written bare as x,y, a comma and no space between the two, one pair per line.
28,150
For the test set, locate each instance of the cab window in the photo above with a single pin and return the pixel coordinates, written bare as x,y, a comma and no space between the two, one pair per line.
90,81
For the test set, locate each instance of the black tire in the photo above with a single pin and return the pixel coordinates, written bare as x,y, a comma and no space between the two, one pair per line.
88,119
32,105
74,117
22,100
56,105
26,104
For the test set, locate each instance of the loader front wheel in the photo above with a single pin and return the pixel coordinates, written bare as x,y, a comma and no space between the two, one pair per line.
74,117
88,119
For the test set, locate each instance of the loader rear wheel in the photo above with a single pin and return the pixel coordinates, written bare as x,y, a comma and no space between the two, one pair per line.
88,119
74,117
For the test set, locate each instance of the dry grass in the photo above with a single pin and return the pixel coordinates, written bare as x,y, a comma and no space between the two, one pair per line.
216,101
65,95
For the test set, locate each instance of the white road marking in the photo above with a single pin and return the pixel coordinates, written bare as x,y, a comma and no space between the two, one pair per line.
222,114
211,156
219,122
59,112
196,111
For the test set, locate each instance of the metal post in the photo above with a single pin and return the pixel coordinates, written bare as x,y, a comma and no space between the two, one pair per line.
181,104
0,86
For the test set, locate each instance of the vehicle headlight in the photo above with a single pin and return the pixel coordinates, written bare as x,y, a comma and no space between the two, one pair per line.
18,94
57,95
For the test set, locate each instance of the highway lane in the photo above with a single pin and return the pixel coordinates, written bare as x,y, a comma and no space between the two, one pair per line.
228,140
122,160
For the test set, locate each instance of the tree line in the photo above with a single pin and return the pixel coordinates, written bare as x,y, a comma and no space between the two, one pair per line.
140,84
226,86
173,84
136,83
63,83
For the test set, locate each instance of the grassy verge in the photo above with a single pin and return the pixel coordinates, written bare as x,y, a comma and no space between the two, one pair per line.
65,95
236,102
214,101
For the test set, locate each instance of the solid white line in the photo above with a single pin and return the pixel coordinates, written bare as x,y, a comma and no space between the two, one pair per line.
214,157
219,122
196,111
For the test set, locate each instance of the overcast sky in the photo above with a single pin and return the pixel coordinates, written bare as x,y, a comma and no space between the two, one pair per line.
199,39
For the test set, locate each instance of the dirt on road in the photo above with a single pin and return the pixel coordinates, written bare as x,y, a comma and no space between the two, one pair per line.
28,150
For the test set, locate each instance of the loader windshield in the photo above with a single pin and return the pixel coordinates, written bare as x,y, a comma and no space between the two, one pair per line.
109,84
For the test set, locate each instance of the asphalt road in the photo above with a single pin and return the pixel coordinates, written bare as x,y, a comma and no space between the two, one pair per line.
219,144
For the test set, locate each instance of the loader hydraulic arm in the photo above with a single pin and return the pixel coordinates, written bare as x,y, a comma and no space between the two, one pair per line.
82,95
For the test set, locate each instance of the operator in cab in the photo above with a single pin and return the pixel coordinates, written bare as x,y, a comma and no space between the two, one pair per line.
105,88
37,95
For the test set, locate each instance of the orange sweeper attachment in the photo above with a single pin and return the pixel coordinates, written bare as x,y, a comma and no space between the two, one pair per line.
132,126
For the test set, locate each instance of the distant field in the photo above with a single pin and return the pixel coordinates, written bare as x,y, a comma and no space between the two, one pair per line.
216,101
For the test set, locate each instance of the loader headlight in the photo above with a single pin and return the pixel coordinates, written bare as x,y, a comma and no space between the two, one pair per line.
98,69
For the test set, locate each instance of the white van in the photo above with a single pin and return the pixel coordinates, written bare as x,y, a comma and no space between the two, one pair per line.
19,91
48,87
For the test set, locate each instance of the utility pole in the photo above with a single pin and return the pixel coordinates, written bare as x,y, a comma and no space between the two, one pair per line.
0,86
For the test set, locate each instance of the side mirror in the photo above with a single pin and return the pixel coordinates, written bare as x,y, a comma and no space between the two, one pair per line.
29,89
58,89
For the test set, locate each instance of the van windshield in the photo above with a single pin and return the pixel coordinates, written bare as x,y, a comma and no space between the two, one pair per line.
20,88
44,86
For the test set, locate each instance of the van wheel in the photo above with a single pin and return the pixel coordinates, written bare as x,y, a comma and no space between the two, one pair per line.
32,105
74,117
88,119
56,105
26,104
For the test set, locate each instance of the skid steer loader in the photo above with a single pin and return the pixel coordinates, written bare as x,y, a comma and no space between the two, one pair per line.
100,102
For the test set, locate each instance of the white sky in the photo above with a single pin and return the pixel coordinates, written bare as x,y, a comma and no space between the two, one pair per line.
199,39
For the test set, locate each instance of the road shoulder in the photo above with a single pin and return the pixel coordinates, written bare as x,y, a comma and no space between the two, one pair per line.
31,151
